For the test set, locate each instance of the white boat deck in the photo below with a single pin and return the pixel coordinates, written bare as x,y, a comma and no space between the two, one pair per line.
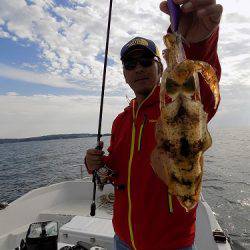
81,208
68,203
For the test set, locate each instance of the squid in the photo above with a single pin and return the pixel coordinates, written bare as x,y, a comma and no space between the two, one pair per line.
181,130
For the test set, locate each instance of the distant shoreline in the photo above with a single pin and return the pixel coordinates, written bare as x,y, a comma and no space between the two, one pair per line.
50,137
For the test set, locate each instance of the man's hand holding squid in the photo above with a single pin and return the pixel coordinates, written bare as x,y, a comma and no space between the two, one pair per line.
199,18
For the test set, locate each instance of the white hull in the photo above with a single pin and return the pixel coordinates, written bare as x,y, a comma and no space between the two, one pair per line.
69,204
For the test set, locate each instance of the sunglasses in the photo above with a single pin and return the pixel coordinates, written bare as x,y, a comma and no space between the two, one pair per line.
145,62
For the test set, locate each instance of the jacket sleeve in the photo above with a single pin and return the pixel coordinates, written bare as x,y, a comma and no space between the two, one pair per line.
108,158
206,51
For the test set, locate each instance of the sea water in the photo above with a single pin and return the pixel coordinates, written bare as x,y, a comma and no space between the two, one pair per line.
226,182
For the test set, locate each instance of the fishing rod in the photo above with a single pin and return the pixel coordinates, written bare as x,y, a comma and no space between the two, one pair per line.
99,135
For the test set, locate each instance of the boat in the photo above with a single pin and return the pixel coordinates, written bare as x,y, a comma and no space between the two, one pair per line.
68,204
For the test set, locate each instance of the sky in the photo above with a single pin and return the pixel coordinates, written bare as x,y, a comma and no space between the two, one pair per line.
52,54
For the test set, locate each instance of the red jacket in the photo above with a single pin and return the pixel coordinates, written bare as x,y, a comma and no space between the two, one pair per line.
141,213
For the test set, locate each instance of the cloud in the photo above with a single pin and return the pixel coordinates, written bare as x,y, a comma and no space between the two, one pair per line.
71,36
234,43
3,34
27,116
37,78
237,18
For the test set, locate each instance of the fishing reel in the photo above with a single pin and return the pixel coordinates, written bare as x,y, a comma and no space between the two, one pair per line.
105,176
102,177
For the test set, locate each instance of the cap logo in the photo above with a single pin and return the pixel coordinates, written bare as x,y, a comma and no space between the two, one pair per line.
138,41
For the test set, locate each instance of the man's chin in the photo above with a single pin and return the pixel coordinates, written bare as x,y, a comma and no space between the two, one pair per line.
142,81
145,92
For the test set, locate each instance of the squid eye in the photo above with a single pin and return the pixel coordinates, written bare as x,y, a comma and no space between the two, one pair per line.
171,86
189,85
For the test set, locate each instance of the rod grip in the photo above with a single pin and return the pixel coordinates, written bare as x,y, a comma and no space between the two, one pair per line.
92,209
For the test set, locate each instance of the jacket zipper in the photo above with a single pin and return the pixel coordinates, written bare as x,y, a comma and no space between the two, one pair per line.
141,133
129,192
132,147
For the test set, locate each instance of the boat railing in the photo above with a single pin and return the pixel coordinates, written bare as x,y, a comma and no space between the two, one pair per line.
83,176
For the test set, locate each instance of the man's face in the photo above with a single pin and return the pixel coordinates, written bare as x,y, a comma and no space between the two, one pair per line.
142,79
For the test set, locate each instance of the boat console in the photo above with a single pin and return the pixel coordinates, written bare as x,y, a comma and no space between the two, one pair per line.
87,233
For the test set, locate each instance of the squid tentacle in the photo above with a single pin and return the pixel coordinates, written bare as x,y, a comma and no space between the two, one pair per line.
210,77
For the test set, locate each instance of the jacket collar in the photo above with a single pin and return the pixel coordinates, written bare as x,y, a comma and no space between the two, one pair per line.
152,98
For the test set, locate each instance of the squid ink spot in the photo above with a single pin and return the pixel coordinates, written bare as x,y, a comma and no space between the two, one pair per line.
185,148
181,111
186,182
166,145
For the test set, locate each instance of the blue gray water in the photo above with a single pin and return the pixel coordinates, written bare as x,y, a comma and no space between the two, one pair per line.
226,184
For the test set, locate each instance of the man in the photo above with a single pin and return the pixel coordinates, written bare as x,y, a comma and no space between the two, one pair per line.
141,217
